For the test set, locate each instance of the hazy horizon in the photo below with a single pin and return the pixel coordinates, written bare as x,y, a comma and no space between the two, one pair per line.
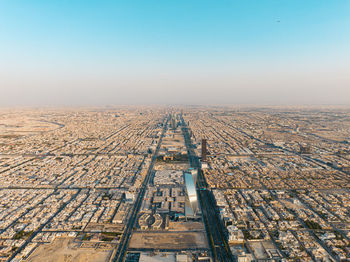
86,53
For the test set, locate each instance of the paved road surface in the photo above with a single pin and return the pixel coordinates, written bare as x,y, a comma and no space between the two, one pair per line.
215,230
122,248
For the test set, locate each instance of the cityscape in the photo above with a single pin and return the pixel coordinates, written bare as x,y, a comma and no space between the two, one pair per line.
174,131
187,183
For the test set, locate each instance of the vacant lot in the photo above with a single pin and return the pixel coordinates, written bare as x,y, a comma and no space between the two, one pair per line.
168,240
60,251
185,226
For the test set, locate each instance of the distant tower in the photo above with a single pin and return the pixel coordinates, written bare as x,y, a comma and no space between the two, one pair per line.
174,122
204,150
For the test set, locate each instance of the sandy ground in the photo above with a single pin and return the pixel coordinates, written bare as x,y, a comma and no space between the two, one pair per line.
153,240
173,166
59,251
185,226
18,125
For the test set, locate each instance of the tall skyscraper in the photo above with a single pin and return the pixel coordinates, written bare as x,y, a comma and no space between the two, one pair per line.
204,150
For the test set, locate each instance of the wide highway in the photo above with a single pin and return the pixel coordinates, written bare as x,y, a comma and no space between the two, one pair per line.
120,252
215,230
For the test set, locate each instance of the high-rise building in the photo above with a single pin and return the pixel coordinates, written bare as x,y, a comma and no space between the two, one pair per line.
204,150
191,208
173,121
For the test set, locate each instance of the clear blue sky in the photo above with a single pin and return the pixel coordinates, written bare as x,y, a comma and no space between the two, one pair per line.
185,51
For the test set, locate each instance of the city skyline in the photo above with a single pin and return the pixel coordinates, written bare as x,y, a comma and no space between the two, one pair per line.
176,184
174,131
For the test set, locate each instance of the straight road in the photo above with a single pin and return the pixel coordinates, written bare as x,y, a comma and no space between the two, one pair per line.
213,224
37,231
122,248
